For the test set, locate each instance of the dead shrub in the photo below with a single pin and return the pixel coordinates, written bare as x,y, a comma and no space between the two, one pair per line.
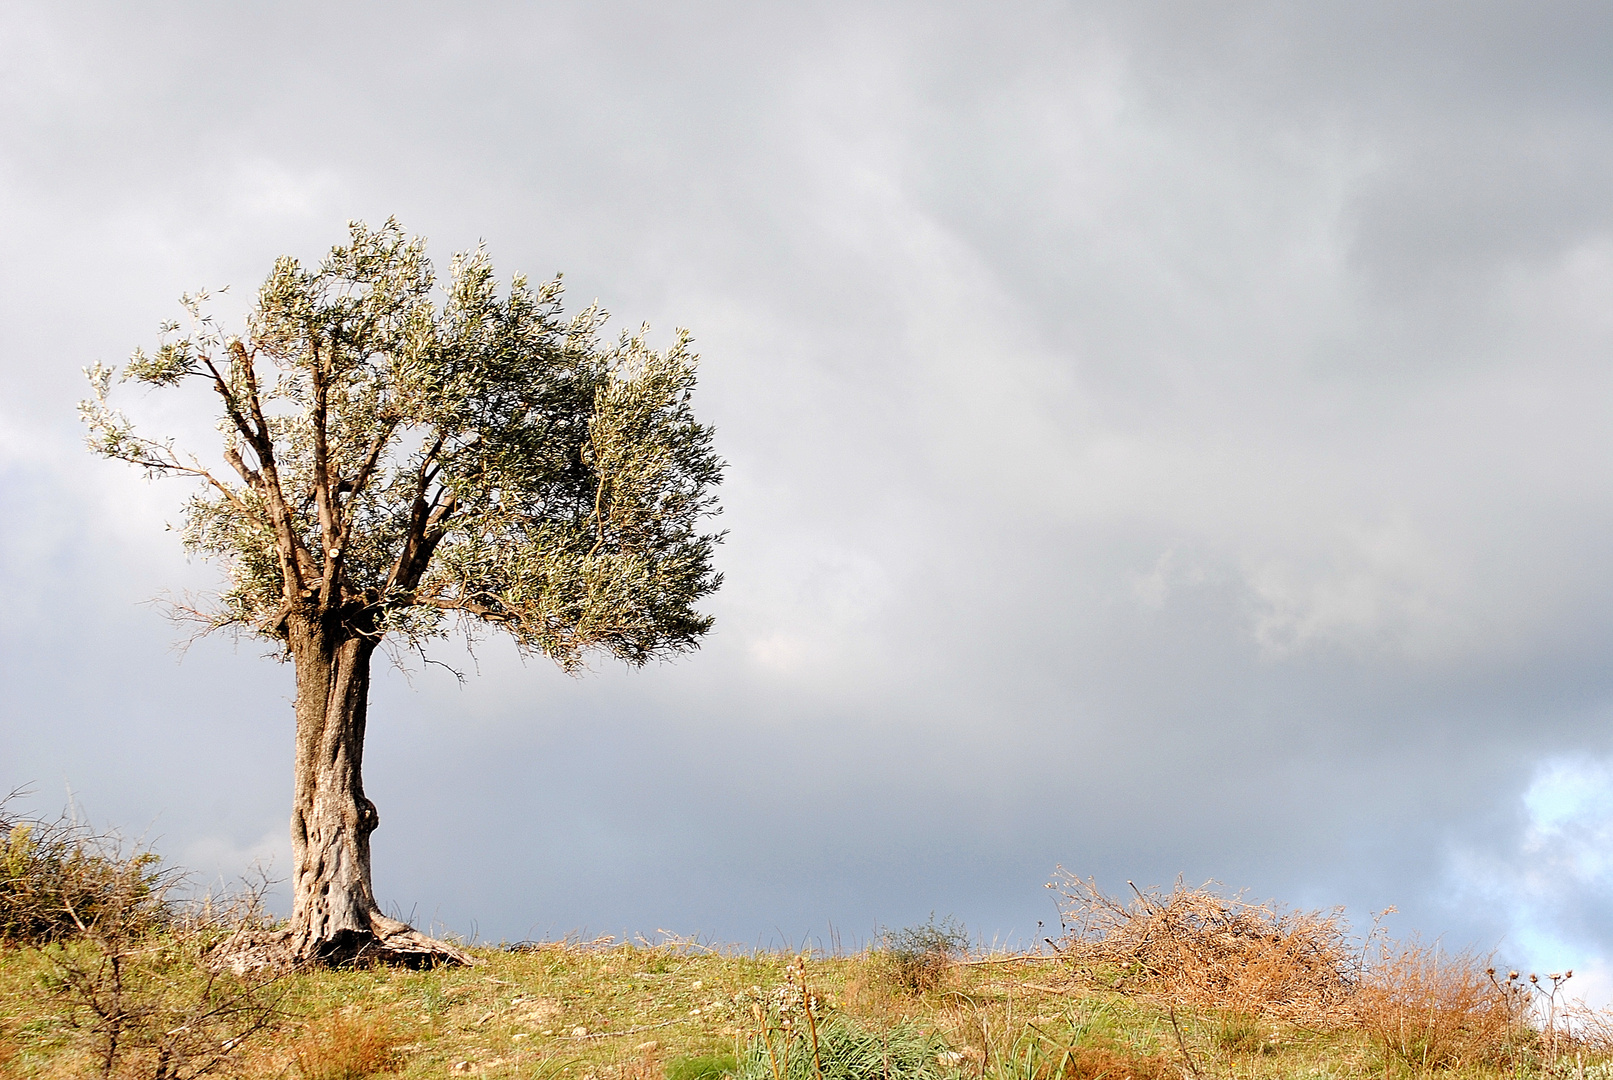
1197,947
349,1048
1430,1009
58,878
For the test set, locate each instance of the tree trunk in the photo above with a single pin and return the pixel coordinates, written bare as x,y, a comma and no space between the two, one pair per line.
334,916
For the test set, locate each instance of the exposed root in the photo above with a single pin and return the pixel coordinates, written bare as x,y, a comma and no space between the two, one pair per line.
388,942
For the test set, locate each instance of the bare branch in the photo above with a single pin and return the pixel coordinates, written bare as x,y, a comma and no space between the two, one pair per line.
161,457
356,486
231,408
250,475
408,568
323,498
296,566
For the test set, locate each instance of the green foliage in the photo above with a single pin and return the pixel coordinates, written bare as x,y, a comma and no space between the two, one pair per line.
847,1051
413,458
917,957
704,1067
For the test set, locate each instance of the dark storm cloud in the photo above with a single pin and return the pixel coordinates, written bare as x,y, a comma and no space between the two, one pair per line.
1164,437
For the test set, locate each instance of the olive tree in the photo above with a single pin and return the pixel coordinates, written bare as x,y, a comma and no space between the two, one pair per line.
401,459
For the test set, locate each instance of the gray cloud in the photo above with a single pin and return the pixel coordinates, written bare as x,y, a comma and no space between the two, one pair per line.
1165,438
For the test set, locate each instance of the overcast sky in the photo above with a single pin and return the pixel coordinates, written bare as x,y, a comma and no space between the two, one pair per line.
1163,438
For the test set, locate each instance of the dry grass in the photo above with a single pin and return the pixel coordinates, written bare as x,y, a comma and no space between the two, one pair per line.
1097,1063
344,1047
1201,948
1430,1010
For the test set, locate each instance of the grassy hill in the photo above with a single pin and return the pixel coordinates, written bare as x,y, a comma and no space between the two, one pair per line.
101,975
603,1012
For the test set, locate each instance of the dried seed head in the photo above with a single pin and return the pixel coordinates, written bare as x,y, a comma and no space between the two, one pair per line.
1533,977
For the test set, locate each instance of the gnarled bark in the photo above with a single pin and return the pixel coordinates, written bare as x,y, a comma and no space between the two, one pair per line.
334,916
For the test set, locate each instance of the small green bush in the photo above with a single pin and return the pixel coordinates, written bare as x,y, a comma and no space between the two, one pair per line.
917,958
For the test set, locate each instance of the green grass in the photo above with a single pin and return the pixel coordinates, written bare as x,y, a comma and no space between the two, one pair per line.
702,1067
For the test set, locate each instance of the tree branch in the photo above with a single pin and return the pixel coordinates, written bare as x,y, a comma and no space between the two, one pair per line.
161,457
474,607
407,570
250,475
371,456
295,565
230,405
323,500
362,478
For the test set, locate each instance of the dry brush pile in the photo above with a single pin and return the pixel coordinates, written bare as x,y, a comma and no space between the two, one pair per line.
1424,1007
1211,950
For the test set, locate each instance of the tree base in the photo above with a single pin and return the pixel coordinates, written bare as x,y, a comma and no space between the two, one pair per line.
388,942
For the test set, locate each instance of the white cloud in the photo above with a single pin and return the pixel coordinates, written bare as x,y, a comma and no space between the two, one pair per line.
1553,879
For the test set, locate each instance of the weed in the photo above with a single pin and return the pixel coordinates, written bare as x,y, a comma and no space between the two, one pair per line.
130,969
660,961
1240,1033
1080,1052
1100,1063
58,877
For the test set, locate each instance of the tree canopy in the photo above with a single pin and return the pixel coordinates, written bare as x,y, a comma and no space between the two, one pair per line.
405,456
